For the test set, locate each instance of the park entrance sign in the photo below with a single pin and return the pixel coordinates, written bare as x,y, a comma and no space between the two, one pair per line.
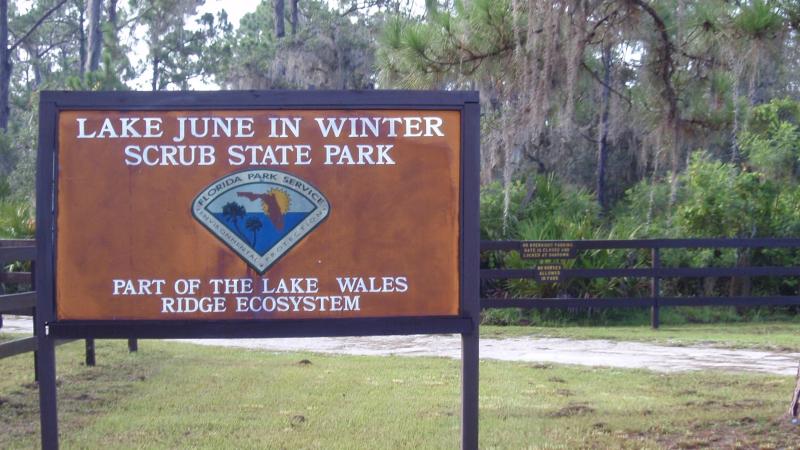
258,214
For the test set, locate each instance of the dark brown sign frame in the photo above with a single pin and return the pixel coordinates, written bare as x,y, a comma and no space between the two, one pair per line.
465,323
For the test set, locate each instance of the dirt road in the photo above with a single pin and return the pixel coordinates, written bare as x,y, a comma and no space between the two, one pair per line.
596,353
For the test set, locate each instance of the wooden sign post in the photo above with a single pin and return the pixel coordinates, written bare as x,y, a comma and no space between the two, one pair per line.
257,214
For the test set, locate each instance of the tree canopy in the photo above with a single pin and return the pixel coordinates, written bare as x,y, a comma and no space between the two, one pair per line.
677,115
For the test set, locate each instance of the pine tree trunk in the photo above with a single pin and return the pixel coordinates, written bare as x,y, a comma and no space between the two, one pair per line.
154,80
82,38
111,14
295,14
602,142
5,65
94,35
280,31
794,407
35,63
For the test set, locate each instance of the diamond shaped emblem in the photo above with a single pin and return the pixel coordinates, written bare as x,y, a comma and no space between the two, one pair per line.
260,214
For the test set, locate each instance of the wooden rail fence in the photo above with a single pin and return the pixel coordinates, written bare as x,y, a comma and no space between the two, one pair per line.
546,267
17,303
23,303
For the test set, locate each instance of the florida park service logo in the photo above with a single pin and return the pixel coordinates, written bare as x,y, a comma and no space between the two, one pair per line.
260,214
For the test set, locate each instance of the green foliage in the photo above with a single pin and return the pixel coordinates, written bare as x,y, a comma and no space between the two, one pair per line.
105,79
786,220
542,208
546,209
8,154
329,50
423,54
17,219
720,77
20,142
724,201
254,44
643,212
759,19
179,52
758,198
772,139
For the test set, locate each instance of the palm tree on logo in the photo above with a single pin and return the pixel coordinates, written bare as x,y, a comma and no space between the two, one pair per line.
253,224
232,212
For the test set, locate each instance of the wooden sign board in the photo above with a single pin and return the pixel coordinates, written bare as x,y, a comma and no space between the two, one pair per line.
257,214
195,208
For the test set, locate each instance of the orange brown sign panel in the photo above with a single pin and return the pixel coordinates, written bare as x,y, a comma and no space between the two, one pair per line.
265,214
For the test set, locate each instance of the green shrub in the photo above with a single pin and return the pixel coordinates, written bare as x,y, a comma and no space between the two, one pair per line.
17,220
713,199
541,209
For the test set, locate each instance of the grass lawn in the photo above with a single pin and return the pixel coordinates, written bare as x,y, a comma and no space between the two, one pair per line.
172,395
764,335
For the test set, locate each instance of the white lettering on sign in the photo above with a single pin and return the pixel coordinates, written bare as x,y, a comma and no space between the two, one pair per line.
372,126
200,127
278,155
361,155
373,284
272,295
291,125
180,151
127,127
169,155
292,286
232,286
291,303
192,304
138,287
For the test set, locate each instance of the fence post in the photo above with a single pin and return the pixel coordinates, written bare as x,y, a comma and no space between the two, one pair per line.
133,345
35,352
90,352
655,289
3,291
35,328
